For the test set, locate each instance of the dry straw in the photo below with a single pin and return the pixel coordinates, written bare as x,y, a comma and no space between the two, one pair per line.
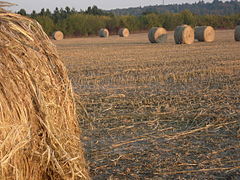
204,33
123,32
6,4
103,32
58,35
157,35
184,35
237,33
39,133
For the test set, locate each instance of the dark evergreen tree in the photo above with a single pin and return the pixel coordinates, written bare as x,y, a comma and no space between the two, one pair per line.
22,12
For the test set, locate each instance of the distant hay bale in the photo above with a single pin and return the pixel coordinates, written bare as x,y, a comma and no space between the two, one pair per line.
204,33
39,132
123,32
103,32
157,35
184,35
58,35
237,33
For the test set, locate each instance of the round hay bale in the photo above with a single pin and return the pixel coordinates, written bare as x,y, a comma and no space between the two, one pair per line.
103,32
237,33
39,133
123,32
157,35
204,33
184,35
58,35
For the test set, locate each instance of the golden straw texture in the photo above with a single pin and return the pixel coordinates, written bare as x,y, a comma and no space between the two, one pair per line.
6,4
123,32
103,32
39,133
157,35
204,33
58,35
184,35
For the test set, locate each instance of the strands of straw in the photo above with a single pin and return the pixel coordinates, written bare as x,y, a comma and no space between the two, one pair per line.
157,35
39,132
204,33
6,4
184,35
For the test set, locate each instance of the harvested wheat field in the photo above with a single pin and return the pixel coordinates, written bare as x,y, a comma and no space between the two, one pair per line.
157,110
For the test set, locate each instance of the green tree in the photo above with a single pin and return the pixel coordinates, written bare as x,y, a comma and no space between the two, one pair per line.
48,13
171,21
94,11
33,14
79,23
154,20
56,16
22,12
68,10
188,18
47,24
113,24
130,22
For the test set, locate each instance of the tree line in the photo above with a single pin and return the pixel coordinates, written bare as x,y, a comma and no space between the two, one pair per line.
86,23
215,7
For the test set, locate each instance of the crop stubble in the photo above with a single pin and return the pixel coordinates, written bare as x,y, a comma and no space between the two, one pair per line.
157,110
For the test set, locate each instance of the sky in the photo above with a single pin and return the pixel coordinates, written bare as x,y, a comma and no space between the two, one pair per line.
37,5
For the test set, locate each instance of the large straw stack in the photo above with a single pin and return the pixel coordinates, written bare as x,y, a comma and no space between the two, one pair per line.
103,32
184,35
5,4
204,33
123,32
237,33
39,132
58,35
157,35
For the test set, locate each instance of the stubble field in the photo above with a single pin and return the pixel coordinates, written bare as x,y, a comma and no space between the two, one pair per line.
157,110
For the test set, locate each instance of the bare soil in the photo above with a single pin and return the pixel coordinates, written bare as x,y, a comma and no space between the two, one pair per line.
157,111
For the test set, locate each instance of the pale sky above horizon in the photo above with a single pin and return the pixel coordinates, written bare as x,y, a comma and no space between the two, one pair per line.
37,5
